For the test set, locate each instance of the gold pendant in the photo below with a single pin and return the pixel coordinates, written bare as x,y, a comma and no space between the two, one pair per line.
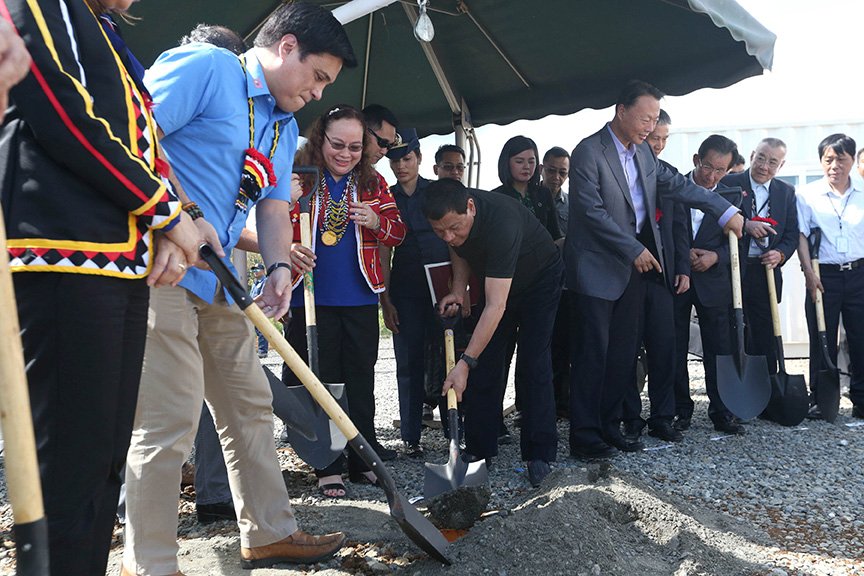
329,238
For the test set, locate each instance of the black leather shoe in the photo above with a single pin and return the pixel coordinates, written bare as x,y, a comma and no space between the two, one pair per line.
537,472
729,427
209,513
665,431
599,451
681,423
624,445
858,412
385,454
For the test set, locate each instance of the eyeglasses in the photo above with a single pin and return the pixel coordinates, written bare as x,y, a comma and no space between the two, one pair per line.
709,169
382,143
452,167
354,147
762,160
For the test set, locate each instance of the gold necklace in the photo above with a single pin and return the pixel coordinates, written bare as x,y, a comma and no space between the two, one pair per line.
335,214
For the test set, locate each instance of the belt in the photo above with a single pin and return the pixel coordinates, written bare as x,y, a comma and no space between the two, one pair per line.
843,267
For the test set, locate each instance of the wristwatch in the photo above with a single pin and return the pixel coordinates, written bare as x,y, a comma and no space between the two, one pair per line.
469,360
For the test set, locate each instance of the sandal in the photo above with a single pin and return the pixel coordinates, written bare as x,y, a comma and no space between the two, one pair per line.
333,487
363,478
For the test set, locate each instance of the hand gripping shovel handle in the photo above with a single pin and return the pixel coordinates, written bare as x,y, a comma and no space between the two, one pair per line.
308,278
22,471
415,526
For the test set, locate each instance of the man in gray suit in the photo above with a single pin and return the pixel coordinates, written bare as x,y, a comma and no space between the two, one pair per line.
614,242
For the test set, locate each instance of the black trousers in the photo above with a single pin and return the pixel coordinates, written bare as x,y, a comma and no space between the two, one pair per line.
843,296
534,313
347,351
561,354
603,363
715,329
83,340
657,332
759,332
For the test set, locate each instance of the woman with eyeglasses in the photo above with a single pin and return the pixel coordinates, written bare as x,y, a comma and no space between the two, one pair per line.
352,212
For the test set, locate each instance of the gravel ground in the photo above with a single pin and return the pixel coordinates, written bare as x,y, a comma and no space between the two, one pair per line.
775,501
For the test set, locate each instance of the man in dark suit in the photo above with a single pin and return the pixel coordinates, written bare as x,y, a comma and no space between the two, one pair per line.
658,311
771,237
615,181
710,291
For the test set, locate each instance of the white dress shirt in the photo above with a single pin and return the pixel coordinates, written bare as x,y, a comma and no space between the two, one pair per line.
760,193
837,215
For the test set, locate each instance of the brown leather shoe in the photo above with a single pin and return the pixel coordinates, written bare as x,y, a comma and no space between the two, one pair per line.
125,572
299,548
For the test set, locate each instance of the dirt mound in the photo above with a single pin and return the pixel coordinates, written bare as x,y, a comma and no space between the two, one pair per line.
586,522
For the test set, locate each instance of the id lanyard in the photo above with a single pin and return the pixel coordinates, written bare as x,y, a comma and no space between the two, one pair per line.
841,243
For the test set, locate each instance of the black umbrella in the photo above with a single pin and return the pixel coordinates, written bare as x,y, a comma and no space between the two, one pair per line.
497,61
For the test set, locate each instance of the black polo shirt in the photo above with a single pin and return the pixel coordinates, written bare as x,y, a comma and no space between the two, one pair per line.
507,241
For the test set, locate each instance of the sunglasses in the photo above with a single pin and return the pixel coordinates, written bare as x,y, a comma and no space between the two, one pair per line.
383,143
339,146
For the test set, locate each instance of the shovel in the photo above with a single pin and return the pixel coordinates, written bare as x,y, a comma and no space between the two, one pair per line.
414,524
828,377
22,471
441,478
308,279
789,399
744,387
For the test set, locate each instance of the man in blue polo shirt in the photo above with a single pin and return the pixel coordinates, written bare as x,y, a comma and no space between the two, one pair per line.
227,121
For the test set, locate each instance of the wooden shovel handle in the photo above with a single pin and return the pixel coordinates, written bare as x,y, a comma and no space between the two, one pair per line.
820,309
735,259
302,371
22,470
450,357
308,278
772,301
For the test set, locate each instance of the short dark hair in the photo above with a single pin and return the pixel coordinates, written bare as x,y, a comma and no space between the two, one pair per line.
739,159
633,90
218,36
720,144
444,196
376,115
839,143
316,29
512,147
861,155
664,119
555,152
446,149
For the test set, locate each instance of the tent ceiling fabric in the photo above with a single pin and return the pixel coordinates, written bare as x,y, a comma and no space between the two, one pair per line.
574,54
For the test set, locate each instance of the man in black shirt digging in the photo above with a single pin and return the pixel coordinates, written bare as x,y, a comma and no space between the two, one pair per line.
502,242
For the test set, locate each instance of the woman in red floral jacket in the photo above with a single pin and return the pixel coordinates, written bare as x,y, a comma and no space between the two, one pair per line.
352,211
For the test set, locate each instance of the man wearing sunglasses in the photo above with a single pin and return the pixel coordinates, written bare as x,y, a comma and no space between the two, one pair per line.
449,162
381,124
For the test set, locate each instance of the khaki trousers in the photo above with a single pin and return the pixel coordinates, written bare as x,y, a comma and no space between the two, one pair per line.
200,351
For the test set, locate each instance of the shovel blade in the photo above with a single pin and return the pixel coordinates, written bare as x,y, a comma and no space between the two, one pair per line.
748,396
418,528
441,478
828,394
789,399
